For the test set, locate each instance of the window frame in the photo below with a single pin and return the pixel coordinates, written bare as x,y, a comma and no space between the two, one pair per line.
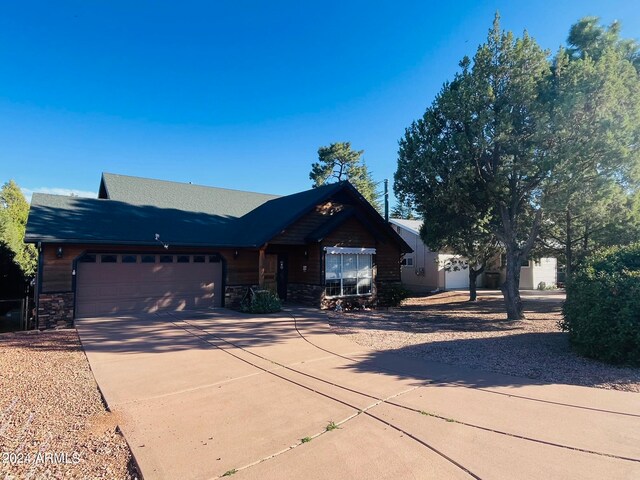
407,262
358,278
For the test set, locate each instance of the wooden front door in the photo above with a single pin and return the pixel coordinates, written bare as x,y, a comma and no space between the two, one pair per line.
282,275
270,272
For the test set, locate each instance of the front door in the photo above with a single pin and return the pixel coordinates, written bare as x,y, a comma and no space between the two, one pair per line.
282,276
270,272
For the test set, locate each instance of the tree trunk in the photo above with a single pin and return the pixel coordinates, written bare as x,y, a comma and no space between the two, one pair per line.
511,287
473,276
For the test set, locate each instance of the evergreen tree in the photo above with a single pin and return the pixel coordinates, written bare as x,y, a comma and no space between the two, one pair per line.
339,162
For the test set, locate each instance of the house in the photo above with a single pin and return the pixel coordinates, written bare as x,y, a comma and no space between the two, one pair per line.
424,270
147,245
534,273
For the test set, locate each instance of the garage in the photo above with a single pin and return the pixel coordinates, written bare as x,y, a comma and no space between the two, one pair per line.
457,279
123,283
456,273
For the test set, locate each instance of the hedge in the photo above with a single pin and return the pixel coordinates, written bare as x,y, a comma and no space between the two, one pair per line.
602,310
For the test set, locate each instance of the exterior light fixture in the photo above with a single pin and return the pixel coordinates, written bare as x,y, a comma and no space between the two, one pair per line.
235,255
59,252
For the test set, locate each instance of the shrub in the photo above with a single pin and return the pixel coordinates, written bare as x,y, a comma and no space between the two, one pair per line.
261,301
392,295
602,311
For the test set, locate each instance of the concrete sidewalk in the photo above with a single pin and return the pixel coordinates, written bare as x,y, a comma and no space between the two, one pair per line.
204,394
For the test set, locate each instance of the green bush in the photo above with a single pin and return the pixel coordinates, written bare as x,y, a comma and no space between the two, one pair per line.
392,295
261,301
602,311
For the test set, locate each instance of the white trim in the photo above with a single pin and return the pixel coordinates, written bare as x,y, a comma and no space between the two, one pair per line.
349,251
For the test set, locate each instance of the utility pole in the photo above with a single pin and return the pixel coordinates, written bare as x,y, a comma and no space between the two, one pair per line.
386,200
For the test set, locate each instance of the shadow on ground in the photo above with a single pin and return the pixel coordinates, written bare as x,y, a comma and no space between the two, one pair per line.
507,360
175,332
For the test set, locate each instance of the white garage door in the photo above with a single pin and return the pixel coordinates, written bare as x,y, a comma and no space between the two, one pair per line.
122,283
456,279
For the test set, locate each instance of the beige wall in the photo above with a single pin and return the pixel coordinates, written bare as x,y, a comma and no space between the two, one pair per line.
424,275
542,270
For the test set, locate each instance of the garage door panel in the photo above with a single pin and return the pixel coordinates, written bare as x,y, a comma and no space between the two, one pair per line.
113,288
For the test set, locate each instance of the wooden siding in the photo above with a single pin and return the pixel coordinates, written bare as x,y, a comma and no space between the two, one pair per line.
242,270
353,234
350,234
299,230
387,262
57,272
298,261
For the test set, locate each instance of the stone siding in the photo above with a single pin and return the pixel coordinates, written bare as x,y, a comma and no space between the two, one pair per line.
55,310
305,294
233,295
350,302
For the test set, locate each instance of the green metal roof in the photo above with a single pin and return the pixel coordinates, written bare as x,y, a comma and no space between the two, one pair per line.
181,196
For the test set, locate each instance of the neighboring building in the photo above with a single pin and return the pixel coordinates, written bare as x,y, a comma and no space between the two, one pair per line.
533,273
424,270
147,245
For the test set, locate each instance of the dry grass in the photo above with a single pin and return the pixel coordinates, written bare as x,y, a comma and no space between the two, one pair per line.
50,404
447,328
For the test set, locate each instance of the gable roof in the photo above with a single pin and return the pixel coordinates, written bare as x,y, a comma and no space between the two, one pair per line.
412,225
195,219
59,218
181,196
270,218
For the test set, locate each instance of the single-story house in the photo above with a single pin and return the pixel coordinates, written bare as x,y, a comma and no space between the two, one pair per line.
425,270
146,245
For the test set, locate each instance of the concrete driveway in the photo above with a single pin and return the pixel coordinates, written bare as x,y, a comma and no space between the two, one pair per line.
201,395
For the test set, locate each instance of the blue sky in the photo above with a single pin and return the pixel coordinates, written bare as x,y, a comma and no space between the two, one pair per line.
235,94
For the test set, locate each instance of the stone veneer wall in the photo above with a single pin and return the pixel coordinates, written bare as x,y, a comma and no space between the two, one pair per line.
313,295
305,294
233,294
349,302
55,310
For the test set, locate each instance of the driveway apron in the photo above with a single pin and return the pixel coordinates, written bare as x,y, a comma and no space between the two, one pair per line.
203,394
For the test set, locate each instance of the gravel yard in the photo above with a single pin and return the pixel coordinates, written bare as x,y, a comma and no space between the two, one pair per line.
53,423
447,328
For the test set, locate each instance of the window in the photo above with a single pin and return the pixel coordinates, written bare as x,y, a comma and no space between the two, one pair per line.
129,258
108,258
525,263
166,258
348,274
88,258
148,259
183,258
198,259
407,262
214,258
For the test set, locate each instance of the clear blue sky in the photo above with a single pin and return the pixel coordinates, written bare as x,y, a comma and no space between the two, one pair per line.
235,94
